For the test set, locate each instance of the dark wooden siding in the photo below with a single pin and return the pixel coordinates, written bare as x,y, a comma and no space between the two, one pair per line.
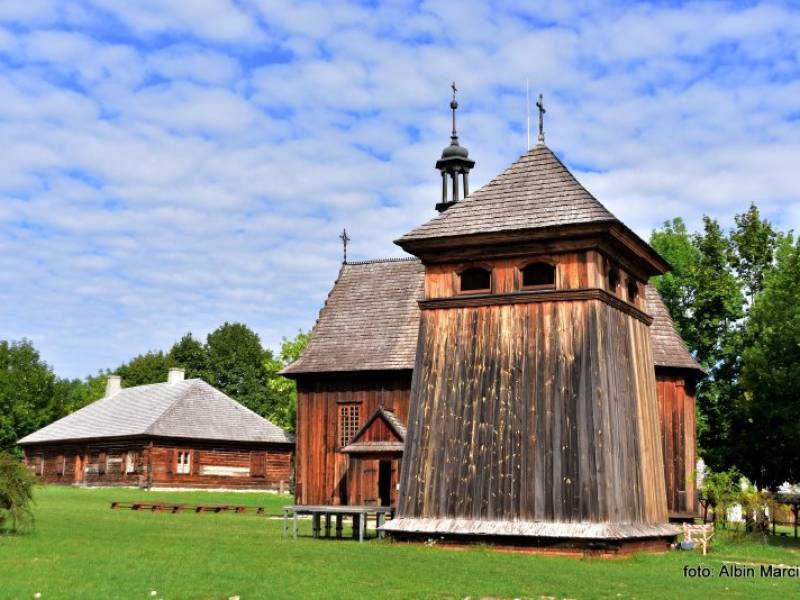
677,415
542,411
325,475
105,463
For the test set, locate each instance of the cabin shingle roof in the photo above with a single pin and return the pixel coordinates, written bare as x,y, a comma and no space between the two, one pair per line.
371,322
187,409
536,191
669,349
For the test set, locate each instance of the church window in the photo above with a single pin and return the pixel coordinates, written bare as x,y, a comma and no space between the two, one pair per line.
613,280
633,290
475,279
538,275
349,417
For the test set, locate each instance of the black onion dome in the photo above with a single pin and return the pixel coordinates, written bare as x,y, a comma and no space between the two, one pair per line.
455,150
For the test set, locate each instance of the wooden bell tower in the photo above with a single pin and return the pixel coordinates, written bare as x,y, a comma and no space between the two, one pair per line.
533,410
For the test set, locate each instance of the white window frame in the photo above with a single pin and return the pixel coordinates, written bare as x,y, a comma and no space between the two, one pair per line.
184,466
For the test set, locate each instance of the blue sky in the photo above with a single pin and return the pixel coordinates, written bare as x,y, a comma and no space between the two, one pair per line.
168,166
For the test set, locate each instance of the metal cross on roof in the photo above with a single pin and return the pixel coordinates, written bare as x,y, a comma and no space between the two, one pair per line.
344,237
540,106
454,106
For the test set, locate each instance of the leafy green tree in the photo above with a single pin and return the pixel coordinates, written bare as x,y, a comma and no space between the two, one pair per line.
705,300
192,355
16,492
236,366
82,392
30,394
768,423
718,303
753,242
677,287
151,367
283,391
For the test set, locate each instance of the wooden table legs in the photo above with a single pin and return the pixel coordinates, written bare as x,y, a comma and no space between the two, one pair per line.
380,519
315,518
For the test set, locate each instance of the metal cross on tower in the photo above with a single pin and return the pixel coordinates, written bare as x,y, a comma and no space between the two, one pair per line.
344,237
540,106
453,107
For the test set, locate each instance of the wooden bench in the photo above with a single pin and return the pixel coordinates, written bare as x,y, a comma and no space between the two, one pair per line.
152,506
699,534
178,507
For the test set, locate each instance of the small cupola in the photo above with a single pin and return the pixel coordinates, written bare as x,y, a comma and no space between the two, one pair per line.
454,164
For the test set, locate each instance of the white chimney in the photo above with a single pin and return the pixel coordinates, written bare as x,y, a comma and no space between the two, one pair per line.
113,385
175,375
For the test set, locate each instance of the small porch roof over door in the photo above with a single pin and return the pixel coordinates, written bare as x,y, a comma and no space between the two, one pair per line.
383,434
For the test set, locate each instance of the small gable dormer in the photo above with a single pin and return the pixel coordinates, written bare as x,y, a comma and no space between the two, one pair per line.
382,435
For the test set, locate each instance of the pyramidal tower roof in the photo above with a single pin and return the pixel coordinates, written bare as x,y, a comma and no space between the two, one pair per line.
537,191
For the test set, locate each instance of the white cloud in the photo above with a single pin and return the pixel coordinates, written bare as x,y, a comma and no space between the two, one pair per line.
171,165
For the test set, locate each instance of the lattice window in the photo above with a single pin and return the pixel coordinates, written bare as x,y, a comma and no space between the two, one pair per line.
349,415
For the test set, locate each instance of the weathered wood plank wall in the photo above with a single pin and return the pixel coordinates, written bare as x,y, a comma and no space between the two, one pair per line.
543,412
325,475
677,417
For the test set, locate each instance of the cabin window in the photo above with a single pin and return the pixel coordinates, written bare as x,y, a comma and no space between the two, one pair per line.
349,415
475,279
184,466
130,462
613,280
538,276
633,290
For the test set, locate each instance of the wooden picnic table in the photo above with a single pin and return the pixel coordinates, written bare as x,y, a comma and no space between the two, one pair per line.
359,515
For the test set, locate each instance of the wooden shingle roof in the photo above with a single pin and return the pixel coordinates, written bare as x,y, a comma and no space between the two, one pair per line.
669,349
537,191
370,320
187,409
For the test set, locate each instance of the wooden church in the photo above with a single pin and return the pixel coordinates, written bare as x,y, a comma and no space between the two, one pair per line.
517,379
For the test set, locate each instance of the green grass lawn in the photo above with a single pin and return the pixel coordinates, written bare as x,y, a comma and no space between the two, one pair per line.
82,549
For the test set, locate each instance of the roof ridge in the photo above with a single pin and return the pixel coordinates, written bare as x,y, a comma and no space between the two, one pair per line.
383,260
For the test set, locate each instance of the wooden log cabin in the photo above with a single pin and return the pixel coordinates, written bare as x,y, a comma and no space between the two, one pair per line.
536,378
178,434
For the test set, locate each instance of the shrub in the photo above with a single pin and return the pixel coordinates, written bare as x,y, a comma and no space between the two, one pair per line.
719,490
16,492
